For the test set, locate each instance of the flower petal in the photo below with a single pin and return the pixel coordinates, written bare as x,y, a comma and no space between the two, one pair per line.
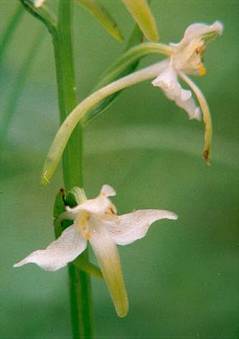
108,258
130,227
200,30
59,253
206,116
38,3
170,85
107,191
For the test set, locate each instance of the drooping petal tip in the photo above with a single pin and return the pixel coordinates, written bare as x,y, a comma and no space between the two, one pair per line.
218,27
108,191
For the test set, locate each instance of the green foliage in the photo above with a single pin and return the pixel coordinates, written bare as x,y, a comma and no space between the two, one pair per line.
140,11
110,75
103,16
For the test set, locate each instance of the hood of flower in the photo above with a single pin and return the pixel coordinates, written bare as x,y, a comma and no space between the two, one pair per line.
91,212
188,53
99,206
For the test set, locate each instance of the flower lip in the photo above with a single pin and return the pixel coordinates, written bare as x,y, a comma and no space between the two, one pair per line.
172,88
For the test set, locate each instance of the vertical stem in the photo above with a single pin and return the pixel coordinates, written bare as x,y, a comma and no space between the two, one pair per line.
80,285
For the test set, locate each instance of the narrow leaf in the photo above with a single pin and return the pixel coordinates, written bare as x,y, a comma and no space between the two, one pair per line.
142,14
135,38
18,87
9,30
103,17
114,72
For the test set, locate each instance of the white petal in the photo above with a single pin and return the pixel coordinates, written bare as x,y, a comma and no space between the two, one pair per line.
59,253
107,191
38,3
108,258
99,205
170,85
130,227
198,30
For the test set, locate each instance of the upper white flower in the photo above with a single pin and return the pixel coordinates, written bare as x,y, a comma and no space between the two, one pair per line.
186,58
96,221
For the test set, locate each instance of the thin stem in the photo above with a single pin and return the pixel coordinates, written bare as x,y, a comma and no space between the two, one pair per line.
43,14
80,286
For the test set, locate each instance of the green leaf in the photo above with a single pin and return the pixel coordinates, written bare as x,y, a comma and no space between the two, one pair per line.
115,72
6,36
103,17
135,38
17,89
142,14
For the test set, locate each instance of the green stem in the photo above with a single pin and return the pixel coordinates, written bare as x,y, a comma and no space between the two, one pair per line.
80,286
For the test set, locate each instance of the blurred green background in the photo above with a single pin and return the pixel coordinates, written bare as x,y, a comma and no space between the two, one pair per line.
183,278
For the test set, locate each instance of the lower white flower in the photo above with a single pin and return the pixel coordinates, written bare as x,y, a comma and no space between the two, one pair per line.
96,221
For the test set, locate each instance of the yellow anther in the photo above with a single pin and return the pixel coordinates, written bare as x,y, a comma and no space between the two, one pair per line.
202,70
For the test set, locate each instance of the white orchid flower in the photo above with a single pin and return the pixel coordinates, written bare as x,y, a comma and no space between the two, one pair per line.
96,221
186,58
